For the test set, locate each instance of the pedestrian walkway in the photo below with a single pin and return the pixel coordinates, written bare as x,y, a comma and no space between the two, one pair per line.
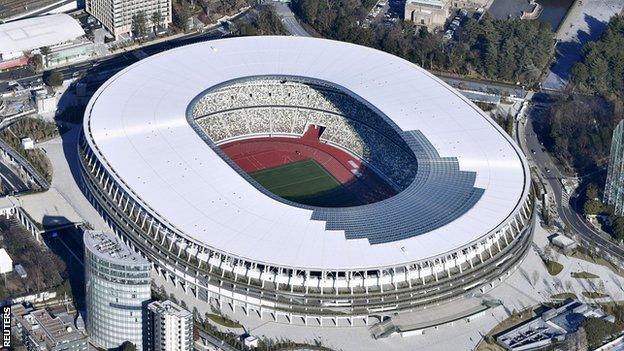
63,154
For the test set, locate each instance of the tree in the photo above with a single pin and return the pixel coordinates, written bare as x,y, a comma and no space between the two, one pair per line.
576,341
511,50
181,15
156,19
127,346
598,330
578,129
592,191
53,78
601,69
265,23
44,50
37,61
617,226
546,215
593,207
139,25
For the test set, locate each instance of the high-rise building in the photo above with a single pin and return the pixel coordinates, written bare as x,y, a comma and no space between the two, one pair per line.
117,15
614,188
117,291
169,327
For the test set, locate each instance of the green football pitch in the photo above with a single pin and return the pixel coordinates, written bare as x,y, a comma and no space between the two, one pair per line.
305,182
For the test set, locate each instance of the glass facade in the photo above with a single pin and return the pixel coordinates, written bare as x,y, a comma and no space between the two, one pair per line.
117,291
614,188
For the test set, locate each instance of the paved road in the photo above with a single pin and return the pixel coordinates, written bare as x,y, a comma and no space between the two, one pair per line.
10,178
289,20
566,207
218,343
483,86
39,179
113,63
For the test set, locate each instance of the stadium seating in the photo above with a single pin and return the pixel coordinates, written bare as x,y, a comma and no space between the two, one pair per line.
276,107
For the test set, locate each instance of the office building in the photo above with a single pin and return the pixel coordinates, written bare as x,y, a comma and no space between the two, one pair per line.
117,15
169,327
433,14
117,291
427,13
39,331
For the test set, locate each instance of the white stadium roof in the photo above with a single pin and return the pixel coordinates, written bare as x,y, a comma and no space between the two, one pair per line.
33,33
137,122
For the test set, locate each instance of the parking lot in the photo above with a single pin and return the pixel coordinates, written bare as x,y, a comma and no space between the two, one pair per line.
385,12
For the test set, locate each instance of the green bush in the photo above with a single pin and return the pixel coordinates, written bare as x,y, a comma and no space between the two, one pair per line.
53,78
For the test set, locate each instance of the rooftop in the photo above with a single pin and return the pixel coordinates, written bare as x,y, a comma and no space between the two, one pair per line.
107,245
168,307
439,3
140,132
553,324
33,33
4,256
48,208
44,329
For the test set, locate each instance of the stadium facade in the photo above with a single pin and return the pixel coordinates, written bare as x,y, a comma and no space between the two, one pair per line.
442,196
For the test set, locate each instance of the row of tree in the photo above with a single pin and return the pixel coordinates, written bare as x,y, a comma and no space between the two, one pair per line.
580,125
602,67
507,50
140,26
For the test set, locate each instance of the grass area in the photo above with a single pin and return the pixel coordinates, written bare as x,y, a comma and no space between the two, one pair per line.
223,321
305,182
553,267
584,275
581,255
594,294
563,296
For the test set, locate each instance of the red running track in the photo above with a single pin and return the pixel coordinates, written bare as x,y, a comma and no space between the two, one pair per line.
268,152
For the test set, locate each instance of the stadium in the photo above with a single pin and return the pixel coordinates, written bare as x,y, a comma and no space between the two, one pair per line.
305,180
